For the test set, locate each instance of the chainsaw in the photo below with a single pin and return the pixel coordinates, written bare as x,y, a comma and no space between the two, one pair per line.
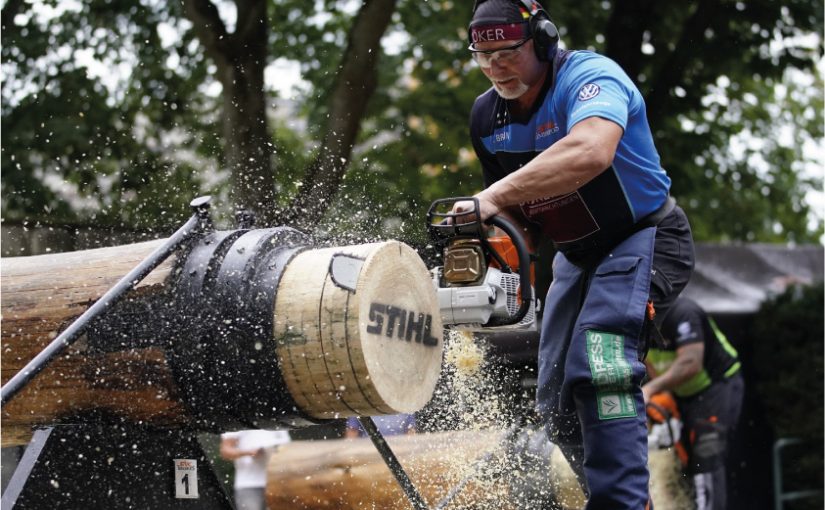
486,282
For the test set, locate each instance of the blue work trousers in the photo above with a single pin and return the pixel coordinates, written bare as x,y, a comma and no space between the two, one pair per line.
590,362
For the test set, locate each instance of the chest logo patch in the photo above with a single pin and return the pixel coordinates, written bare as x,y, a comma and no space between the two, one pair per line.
685,329
589,91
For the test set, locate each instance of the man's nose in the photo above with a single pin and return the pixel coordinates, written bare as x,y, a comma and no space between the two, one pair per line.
496,66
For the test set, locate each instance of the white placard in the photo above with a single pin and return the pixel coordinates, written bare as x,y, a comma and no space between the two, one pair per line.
186,478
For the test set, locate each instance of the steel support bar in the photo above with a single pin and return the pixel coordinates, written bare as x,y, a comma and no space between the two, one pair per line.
779,496
391,460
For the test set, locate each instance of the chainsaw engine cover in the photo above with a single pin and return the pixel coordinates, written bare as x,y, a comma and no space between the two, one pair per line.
471,307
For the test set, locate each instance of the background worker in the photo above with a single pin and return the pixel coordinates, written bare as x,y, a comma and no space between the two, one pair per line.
565,148
249,450
701,368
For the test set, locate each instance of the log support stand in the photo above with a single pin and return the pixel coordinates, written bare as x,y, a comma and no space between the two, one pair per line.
114,466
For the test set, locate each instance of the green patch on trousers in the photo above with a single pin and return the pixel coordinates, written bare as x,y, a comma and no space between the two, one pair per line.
611,374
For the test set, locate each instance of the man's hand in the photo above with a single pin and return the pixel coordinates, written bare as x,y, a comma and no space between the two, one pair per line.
463,207
487,208
647,392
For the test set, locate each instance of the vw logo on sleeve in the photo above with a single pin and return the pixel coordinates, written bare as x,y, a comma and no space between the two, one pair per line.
589,91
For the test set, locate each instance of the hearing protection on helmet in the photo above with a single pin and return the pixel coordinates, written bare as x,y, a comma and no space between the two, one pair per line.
545,33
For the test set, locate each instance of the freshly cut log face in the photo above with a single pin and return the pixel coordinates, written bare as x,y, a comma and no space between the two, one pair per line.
358,330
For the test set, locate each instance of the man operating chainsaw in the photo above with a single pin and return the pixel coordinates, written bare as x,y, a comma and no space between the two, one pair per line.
701,368
565,147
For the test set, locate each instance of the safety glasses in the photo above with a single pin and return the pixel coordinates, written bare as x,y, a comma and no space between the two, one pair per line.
506,55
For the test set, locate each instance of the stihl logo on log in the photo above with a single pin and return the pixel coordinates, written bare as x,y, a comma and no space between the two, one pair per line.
404,324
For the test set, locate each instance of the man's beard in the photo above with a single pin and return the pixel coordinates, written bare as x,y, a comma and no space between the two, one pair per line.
511,92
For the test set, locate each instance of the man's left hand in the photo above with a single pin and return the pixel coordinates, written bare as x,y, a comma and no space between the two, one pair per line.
647,392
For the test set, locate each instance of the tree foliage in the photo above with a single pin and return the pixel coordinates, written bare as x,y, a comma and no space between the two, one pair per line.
386,118
787,337
788,357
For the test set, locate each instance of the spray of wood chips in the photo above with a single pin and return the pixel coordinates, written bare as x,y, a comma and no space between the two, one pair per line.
471,398
521,476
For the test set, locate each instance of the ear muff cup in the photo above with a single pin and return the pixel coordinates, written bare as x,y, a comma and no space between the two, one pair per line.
545,36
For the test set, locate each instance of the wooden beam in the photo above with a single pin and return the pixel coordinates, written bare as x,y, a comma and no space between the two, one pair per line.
350,474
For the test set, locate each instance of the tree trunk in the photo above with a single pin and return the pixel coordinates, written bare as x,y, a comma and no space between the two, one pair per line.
241,58
42,295
625,31
675,67
354,86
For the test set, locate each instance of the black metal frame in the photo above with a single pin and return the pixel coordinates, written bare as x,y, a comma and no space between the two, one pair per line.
226,296
110,466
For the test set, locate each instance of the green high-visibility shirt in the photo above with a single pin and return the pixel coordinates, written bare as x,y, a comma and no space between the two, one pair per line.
686,323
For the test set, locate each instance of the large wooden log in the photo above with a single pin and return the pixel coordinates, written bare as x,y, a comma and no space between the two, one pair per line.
43,294
349,474
253,326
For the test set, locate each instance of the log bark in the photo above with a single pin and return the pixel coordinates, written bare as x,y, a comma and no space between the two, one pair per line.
41,296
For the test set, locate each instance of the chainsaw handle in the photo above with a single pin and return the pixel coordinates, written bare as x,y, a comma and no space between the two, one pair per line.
523,269
444,226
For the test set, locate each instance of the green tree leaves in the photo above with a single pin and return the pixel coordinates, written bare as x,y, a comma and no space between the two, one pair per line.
121,111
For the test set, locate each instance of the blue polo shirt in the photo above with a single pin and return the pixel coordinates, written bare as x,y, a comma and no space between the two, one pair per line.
605,210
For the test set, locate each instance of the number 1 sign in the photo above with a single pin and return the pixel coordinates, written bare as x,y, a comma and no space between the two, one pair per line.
186,478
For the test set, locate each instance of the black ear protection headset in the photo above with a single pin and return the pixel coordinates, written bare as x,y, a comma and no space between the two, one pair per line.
545,34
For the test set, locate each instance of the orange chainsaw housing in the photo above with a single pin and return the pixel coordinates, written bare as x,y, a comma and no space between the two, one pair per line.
504,246
661,408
